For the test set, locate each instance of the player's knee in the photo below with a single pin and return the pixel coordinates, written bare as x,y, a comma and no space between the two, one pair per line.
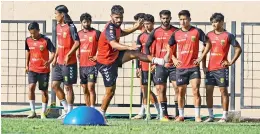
32,88
68,88
55,86
91,89
224,92
134,54
45,93
196,92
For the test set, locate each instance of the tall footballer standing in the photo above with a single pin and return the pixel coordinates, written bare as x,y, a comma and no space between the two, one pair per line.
65,61
187,39
87,58
217,73
160,36
38,62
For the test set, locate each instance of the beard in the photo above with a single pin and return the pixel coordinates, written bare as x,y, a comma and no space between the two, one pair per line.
166,24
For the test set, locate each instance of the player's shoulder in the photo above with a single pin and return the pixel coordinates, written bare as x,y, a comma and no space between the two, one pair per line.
96,30
110,25
174,28
210,33
157,28
27,39
46,38
195,28
228,33
141,34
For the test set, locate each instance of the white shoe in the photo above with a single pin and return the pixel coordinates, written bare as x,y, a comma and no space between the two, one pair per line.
210,119
222,120
62,116
158,61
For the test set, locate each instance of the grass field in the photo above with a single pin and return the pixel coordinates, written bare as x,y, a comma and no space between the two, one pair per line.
123,126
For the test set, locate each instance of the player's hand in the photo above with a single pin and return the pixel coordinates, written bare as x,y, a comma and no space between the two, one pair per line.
66,60
54,62
225,63
168,48
47,64
139,23
205,70
153,68
134,47
197,62
93,58
27,69
176,62
138,72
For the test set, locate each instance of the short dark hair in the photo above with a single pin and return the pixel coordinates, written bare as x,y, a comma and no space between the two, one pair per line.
217,17
165,12
33,26
184,13
149,17
117,9
139,15
85,16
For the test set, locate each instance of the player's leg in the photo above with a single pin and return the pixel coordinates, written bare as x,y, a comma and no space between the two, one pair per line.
181,102
210,82
32,78
222,79
225,103
160,82
155,103
92,77
57,78
172,77
109,74
141,113
182,81
43,86
129,55
92,93
195,80
84,85
86,94
70,78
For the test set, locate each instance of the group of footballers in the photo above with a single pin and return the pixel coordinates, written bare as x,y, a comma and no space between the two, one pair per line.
103,52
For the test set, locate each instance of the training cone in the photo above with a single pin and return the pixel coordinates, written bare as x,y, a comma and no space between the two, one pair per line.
84,115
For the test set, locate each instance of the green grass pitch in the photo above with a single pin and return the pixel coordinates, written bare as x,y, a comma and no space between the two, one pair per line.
124,126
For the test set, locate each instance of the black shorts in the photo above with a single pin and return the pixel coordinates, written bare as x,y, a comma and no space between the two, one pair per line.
41,78
66,74
110,72
218,78
162,74
88,74
183,76
144,77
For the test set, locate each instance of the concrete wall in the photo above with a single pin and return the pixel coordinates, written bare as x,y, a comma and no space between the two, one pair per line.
100,11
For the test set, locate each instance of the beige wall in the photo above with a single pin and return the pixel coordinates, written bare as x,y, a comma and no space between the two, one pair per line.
100,11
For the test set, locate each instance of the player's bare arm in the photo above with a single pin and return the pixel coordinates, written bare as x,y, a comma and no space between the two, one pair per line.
204,62
238,52
205,52
136,26
120,47
54,62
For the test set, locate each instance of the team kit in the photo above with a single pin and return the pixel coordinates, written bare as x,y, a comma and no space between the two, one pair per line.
164,51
